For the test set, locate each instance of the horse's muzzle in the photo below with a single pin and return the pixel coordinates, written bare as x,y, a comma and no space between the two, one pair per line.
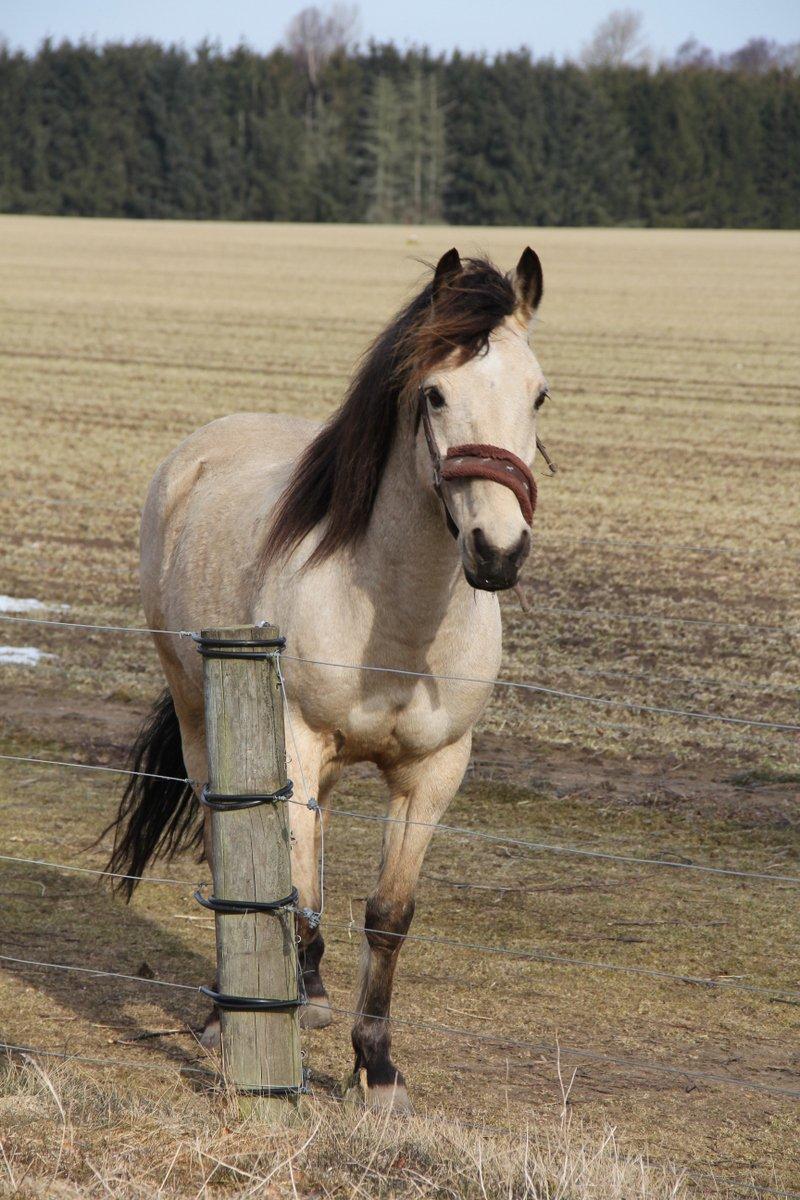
491,569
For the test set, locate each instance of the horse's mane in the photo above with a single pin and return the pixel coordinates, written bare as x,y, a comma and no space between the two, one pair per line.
337,476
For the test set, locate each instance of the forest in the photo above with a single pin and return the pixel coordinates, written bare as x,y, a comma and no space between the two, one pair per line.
384,135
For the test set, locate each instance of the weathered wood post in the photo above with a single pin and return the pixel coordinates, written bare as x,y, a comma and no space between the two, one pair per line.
250,837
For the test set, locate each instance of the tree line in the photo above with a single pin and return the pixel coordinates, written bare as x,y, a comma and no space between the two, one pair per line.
329,132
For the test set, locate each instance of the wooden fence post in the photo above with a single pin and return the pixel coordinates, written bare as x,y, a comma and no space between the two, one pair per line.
256,950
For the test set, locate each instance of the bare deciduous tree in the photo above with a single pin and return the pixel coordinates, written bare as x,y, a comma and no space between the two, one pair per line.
617,41
313,35
760,55
692,53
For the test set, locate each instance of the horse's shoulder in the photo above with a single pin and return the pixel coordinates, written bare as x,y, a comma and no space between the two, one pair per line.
198,470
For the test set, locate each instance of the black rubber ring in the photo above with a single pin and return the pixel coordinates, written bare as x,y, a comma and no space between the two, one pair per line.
232,654
241,907
251,1003
278,1089
238,647
220,802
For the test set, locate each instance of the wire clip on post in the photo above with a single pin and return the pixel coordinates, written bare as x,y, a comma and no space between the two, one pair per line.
230,802
244,907
279,1089
251,1004
225,647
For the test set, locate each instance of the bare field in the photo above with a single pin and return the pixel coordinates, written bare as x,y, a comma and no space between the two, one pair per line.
664,574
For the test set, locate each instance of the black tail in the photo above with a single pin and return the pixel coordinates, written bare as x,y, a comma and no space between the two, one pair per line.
156,816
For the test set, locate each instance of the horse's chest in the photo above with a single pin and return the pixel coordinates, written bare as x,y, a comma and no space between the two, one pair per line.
409,729
409,719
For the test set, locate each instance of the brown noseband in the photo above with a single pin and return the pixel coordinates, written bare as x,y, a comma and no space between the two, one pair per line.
478,461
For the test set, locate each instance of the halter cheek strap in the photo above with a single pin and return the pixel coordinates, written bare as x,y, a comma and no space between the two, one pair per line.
476,460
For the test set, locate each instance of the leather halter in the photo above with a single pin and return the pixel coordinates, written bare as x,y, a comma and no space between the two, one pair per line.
476,460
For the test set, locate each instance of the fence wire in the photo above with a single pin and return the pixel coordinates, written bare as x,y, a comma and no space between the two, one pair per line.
454,1031
455,830
518,953
484,681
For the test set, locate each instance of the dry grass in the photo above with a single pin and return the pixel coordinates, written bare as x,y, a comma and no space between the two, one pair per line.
672,359
673,362
65,1135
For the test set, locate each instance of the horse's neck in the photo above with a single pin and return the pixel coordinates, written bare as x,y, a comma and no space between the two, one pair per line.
408,560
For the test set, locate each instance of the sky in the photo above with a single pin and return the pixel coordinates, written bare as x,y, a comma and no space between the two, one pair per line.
558,28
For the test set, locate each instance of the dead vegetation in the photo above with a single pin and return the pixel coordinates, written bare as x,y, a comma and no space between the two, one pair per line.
671,419
66,1134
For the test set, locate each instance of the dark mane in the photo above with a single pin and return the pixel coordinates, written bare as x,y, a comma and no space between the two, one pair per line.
338,475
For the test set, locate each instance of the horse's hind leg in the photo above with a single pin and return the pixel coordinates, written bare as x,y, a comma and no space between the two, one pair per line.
420,792
309,784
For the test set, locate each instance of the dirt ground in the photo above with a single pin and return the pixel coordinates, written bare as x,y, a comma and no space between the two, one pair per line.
672,360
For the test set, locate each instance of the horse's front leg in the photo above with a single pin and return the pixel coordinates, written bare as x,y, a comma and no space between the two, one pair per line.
420,792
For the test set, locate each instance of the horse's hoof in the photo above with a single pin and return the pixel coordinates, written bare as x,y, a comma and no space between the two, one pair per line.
384,1098
387,1098
209,1038
316,1014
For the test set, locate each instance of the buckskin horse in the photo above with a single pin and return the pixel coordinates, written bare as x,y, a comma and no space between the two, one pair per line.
379,540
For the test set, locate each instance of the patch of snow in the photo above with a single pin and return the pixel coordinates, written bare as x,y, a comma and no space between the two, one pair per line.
14,604
22,656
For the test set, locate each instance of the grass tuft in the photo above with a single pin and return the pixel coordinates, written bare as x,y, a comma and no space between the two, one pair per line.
65,1134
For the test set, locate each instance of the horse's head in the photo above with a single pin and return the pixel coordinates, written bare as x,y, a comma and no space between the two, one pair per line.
477,428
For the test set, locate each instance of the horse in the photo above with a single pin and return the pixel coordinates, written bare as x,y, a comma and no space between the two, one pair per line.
379,539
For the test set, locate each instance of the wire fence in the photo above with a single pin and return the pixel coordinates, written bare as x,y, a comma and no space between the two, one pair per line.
518,953
441,827
688,1074
586,1054
477,680
593,614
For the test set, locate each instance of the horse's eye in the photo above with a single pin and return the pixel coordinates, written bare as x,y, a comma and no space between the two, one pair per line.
435,398
540,399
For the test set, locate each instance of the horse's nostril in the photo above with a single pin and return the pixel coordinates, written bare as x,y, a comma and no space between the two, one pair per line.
485,552
520,551
481,546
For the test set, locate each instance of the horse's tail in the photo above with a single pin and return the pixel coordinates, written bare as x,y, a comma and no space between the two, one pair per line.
155,816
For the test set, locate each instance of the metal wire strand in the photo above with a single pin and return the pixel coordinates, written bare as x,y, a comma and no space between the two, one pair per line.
572,1051
162,1068
678,547
540,689
521,953
456,830
548,847
560,960
40,862
631,705
663,619
96,628
59,762
32,962
489,1039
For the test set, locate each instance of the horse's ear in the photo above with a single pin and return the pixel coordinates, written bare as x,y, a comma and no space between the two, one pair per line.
528,283
447,268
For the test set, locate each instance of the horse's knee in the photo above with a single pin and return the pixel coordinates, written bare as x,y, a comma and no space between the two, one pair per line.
386,922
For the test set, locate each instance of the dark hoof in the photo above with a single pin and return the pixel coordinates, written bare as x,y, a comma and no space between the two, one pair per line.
209,1038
